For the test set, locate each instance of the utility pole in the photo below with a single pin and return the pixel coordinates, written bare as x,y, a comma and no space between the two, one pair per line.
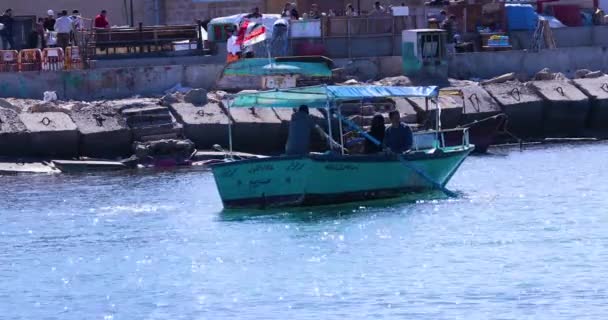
132,19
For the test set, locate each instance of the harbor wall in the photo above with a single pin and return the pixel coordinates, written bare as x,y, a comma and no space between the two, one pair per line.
116,79
564,37
485,65
553,108
107,83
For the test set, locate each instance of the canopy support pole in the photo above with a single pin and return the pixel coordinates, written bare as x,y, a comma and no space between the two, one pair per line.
330,133
440,137
230,132
341,129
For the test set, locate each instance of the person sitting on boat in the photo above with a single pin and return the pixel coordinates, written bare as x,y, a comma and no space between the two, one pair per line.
377,131
398,137
233,49
300,128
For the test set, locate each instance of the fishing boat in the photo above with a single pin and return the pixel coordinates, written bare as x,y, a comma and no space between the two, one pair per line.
272,73
336,177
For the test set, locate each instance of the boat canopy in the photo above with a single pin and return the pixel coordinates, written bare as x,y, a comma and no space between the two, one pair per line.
320,96
272,66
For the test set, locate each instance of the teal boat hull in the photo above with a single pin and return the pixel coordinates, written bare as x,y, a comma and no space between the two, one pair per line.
332,179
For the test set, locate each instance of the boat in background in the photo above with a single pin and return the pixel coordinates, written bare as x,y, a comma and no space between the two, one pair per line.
273,73
335,177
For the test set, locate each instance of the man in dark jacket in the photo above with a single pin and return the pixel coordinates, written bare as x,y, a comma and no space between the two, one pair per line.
398,137
7,31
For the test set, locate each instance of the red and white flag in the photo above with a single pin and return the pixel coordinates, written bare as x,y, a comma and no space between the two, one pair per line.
251,33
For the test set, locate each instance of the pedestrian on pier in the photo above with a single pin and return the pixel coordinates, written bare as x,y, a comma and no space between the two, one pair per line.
7,30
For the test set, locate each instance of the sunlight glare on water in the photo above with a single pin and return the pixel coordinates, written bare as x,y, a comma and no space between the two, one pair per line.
527,240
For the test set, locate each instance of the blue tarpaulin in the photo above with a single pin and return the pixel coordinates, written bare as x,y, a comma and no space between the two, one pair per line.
319,96
521,16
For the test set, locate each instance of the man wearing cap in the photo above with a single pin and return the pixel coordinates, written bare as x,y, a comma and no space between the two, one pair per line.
49,21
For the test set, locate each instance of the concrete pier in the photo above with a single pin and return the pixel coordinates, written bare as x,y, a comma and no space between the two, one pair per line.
256,130
205,126
566,108
597,92
51,134
103,132
14,140
522,105
478,104
451,110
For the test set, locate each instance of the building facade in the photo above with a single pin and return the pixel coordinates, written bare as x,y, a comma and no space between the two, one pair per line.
119,11
188,11
159,12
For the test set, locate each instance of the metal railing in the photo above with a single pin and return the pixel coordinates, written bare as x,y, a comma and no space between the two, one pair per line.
432,139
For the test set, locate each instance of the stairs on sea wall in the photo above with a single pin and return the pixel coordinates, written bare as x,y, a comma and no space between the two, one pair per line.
151,123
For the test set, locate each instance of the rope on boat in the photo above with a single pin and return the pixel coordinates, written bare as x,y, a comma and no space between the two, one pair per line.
426,177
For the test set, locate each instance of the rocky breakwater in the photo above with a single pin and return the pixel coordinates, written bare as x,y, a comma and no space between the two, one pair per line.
206,122
114,128
13,134
103,131
596,89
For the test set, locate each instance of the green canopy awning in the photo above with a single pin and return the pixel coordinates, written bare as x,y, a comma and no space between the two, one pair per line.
319,96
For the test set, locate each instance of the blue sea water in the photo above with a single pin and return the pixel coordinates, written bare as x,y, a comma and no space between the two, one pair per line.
527,240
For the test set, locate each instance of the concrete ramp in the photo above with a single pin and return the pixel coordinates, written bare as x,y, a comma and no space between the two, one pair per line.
14,139
566,109
597,91
103,132
478,104
522,105
51,134
205,126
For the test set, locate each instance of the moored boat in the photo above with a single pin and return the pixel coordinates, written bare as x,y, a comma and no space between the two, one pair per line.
336,177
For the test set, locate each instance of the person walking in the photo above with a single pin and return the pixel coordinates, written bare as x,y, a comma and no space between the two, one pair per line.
63,27
77,26
7,30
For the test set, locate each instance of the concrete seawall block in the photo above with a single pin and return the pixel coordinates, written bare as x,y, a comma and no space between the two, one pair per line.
451,111
523,106
597,92
478,104
256,130
14,139
566,109
103,132
51,134
205,126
